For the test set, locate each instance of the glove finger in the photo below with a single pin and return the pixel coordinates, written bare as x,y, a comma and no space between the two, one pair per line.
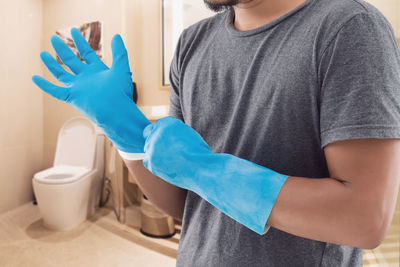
147,130
86,52
120,55
66,55
61,93
55,68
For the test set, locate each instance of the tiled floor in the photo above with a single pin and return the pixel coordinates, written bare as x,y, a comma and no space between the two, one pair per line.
102,241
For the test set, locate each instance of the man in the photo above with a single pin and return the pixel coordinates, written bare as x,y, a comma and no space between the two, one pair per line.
280,83
310,89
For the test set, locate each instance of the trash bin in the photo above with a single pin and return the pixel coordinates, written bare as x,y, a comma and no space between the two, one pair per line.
154,223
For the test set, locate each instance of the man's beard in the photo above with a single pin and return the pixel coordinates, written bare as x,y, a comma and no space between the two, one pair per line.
220,5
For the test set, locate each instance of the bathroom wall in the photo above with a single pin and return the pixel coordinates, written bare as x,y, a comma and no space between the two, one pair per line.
138,23
21,103
142,24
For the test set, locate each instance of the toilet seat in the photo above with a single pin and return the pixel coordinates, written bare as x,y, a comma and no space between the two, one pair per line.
61,174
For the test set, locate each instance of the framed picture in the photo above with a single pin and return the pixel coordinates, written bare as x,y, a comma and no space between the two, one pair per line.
176,15
92,32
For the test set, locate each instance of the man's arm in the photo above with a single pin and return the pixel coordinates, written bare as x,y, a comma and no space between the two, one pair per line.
166,197
354,206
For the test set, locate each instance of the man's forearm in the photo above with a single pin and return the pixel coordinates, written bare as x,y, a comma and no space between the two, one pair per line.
166,197
326,210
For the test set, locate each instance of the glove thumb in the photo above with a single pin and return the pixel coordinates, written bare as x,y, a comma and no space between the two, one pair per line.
147,130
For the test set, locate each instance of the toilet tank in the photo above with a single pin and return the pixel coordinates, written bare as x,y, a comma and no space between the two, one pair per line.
76,143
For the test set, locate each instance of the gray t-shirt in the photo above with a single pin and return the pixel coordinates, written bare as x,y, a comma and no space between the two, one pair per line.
276,95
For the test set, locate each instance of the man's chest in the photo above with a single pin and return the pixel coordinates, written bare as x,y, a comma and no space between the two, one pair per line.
222,83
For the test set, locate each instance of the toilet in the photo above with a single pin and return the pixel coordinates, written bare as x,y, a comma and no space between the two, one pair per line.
69,192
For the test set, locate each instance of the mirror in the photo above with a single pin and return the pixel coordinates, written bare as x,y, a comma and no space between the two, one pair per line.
176,15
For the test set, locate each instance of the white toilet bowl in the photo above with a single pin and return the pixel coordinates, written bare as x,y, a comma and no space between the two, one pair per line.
69,192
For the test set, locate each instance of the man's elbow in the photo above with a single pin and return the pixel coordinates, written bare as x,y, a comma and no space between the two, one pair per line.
373,241
375,230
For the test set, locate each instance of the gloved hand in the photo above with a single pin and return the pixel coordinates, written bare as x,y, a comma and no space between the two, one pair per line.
102,94
243,190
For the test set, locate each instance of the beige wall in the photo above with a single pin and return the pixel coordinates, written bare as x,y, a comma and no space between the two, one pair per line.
138,23
21,107
142,26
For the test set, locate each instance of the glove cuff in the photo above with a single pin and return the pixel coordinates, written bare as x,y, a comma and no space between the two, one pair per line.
131,156
266,228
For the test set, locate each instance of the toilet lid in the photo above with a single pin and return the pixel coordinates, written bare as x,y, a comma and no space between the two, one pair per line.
76,143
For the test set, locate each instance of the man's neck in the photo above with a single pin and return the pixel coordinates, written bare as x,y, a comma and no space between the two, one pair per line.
256,13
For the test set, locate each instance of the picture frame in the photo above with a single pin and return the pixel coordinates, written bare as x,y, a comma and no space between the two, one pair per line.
91,31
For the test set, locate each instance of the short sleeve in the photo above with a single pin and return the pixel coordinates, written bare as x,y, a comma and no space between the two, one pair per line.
359,74
174,77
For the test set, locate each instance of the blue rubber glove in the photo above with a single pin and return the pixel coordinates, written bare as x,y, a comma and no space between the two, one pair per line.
102,94
243,190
